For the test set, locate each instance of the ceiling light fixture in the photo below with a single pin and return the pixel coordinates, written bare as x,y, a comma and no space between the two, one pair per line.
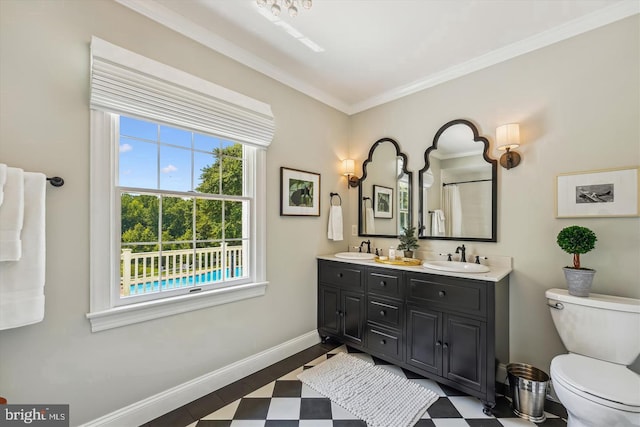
291,5
288,28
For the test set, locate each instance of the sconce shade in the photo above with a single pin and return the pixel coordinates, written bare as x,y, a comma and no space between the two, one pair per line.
348,167
348,170
508,136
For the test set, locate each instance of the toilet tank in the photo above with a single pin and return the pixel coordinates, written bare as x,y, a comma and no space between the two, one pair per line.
600,326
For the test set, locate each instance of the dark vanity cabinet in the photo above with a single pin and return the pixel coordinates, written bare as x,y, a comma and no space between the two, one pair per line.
341,302
385,313
449,329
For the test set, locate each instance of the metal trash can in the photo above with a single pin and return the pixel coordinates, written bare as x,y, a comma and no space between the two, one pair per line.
528,388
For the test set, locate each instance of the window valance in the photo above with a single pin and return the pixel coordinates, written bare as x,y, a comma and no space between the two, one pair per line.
124,82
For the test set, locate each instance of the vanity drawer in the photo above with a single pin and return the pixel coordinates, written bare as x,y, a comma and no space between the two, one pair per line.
384,312
340,274
384,282
450,293
385,342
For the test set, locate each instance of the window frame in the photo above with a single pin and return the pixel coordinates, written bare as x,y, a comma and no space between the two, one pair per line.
106,311
246,197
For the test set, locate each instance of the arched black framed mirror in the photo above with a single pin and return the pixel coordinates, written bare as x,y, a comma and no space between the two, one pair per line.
384,191
458,186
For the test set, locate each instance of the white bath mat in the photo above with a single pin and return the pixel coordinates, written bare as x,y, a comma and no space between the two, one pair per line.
373,394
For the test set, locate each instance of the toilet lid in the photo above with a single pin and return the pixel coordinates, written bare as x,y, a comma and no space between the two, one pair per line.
612,384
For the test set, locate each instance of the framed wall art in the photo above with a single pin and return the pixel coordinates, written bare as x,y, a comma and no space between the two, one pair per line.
382,202
299,193
598,193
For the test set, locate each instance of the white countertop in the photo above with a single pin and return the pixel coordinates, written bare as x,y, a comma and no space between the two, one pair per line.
499,268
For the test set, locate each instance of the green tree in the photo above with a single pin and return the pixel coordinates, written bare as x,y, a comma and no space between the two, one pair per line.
223,176
140,213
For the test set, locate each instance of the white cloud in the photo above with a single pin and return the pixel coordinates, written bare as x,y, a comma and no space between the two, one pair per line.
125,147
169,168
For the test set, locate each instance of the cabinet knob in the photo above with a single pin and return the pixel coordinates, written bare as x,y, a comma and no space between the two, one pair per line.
383,283
438,343
445,346
383,313
441,294
339,274
383,342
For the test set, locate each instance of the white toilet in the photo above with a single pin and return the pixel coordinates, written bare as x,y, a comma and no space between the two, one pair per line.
602,334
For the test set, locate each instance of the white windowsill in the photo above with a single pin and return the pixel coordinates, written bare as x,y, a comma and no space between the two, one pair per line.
141,312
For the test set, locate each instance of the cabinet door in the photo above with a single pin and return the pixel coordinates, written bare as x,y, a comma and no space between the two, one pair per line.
329,310
464,351
424,339
353,315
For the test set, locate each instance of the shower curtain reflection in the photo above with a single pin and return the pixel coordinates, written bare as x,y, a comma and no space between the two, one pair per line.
452,207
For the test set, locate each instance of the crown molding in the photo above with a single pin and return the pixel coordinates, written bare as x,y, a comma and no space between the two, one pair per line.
570,29
181,25
187,28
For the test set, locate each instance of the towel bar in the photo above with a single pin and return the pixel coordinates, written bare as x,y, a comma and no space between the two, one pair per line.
56,181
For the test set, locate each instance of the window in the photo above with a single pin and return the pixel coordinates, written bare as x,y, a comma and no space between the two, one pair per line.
177,191
183,211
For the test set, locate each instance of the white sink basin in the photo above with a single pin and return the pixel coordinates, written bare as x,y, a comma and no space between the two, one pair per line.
456,266
355,255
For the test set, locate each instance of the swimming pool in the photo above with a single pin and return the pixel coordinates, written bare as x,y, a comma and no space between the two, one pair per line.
182,282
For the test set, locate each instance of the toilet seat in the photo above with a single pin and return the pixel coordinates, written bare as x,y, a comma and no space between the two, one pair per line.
605,383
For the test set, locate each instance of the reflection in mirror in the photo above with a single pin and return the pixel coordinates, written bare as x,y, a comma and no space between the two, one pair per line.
384,192
458,186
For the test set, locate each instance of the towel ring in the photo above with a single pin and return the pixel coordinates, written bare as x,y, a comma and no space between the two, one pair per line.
364,199
340,199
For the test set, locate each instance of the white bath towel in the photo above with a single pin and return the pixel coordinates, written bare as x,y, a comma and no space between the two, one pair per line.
22,282
3,180
335,223
369,225
437,223
11,215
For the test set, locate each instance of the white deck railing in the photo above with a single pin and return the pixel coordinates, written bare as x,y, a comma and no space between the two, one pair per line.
145,272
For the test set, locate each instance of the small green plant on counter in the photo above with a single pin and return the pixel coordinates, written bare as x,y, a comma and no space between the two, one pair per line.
576,240
408,240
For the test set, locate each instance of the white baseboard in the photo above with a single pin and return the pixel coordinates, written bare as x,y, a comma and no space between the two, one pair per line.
152,407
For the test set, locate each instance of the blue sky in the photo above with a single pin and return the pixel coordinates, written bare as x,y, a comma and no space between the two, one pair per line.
142,142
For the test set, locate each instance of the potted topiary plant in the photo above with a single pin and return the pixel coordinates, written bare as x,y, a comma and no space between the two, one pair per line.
408,241
577,240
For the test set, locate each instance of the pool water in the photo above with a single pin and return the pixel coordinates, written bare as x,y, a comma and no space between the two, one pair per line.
183,282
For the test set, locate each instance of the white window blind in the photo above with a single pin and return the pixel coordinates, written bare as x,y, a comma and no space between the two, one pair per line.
124,82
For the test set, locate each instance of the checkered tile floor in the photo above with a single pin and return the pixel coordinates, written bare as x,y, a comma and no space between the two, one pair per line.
286,402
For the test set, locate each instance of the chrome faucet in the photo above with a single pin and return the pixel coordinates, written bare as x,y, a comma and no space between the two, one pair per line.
368,243
462,249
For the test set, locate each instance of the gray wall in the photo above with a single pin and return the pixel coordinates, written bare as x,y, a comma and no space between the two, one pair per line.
577,102
44,126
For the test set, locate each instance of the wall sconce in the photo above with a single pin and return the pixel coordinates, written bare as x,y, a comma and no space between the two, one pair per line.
348,168
508,137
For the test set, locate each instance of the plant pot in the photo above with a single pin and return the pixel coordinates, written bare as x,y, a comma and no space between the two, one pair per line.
408,254
579,280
